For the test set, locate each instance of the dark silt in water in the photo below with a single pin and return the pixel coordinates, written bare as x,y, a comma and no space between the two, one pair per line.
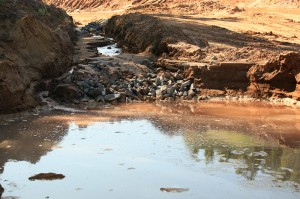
139,150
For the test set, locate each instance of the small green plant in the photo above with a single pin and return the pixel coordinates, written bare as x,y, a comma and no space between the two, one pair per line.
2,2
42,11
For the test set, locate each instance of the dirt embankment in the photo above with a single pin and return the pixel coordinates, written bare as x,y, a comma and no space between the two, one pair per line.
219,62
36,42
169,6
87,5
138,33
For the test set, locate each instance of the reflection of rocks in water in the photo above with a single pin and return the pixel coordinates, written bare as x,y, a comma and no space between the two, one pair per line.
28,139
1,190
249,155
174,190
266,122
47,176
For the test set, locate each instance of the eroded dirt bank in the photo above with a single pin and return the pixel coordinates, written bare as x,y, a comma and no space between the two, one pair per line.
36,42
245,65
166,60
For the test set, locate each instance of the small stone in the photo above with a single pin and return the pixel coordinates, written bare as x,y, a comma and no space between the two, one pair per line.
112,97
186,84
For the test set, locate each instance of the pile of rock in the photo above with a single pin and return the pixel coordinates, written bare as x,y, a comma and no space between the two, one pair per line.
105,82
95,27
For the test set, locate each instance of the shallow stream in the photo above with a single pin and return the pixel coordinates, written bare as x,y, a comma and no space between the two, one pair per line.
208,150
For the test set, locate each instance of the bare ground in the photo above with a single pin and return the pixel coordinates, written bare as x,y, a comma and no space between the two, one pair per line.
227,37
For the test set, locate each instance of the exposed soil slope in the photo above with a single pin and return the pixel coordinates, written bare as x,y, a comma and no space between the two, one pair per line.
225,48
138,33
170,5
255,68
36,43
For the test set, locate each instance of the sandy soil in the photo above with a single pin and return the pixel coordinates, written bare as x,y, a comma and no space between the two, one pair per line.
273,24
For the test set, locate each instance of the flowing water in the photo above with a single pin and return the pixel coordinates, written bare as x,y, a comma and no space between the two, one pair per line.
110,50
208,150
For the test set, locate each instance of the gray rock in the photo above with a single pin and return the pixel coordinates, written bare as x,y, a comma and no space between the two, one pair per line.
129,93
171,91
79,83
67,92
157,82
94,92
86,90
112,97
151,75
177,76
100,99
146,62
152,92
91,104
186,84
85,84
85,98
76,101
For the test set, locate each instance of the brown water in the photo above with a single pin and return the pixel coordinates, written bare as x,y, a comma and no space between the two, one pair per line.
132,151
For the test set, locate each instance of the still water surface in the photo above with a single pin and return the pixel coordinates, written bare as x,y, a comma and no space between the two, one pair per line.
132,151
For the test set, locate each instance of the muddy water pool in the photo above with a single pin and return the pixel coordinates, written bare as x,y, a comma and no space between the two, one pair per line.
140,150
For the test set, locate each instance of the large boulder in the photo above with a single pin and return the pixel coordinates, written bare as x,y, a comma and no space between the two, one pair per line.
67,92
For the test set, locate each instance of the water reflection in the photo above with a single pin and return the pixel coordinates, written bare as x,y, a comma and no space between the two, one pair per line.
26,138
249,154
140,148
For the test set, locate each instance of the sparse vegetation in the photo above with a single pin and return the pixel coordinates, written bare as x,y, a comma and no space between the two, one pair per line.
43,11
2,2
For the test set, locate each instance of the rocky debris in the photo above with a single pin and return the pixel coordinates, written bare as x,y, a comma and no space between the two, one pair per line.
38,44
104,82
67,92
162,38
95,27
47,176
277,78
236,9
174,190
1,190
